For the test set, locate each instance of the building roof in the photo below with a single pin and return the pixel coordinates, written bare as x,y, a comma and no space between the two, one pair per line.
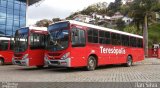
31,2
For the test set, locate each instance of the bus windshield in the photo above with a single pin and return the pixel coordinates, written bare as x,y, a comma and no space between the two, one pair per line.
21,40
3,45
59,36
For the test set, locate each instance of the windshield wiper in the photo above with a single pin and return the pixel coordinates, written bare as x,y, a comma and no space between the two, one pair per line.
56,43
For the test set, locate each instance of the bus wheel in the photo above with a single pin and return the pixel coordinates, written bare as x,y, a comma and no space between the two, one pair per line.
40,66
1,62
129,61
91,65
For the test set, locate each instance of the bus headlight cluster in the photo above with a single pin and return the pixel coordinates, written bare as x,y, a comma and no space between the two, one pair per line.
65,56
25,57
45,57
13,59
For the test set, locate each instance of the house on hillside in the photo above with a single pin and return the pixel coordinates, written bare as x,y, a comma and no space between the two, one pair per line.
117,16
101,17
83,18
157,16
127,20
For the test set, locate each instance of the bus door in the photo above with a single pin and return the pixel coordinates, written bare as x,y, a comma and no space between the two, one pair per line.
37,49
78,51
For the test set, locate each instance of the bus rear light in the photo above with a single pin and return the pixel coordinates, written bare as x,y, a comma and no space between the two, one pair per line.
65,56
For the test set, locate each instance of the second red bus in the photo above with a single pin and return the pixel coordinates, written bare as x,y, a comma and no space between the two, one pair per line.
77,44
30,46
6,50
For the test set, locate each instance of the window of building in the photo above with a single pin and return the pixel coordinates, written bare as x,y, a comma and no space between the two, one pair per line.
10,5
12,13
3,3
2,21
9,28
9,22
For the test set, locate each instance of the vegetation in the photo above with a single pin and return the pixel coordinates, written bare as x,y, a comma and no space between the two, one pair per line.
154,34
43,23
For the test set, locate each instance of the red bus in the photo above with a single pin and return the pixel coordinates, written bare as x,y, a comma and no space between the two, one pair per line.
77,44
6,50
30,45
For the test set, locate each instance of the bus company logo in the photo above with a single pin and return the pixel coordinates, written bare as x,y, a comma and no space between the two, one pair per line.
112,50
52,57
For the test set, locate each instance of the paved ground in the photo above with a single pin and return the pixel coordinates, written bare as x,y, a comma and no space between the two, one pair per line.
146,71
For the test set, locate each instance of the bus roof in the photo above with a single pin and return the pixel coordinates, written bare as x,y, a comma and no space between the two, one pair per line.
6,38
36,28
103,28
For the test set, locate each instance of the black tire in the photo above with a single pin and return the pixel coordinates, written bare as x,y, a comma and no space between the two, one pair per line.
1,62
91,65
129,61
40,66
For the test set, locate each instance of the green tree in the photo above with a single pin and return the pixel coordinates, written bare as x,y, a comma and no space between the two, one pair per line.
114,7
131,29
43,23
56,19
120,24
153,34
141,11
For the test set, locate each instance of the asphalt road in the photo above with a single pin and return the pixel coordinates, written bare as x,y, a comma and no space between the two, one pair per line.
145,71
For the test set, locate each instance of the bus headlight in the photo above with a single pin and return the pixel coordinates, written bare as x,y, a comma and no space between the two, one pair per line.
25,57
13,59
65,56
45,57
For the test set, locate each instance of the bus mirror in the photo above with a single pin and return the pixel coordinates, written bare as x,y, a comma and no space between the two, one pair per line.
51,43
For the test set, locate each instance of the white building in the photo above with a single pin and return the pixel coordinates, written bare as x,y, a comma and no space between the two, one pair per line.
116,16
127,20
83,18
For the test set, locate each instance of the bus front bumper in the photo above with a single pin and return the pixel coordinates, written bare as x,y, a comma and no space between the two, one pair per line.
58,63
21,62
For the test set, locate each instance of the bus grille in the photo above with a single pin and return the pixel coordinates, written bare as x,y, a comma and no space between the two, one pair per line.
54,62
54,54
18,55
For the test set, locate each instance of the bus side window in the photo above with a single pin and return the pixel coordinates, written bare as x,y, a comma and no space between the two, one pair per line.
78,37
118,39
108,37
4,45
125,40
133,41
92,35
139,43
11,45
102,39
114,35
